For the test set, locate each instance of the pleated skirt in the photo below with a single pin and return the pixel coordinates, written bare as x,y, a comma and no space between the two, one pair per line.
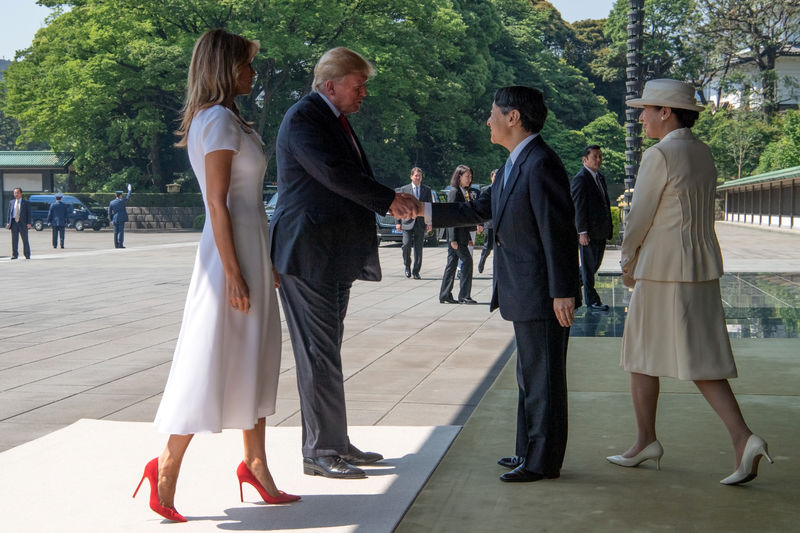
677,329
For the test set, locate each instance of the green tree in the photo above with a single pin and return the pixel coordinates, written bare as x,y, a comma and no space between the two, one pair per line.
785,151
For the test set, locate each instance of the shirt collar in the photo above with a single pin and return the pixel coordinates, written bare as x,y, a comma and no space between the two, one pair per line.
333,107
592,172
520,147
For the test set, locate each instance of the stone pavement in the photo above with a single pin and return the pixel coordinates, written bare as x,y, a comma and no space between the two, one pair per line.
88,332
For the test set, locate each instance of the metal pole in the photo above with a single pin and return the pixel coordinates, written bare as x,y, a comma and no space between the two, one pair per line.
633,89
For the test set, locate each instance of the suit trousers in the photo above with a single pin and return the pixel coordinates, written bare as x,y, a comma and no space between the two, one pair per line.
415,238
449,276
591,259
315,312
58,231
542,406
119,234
19,230
488,244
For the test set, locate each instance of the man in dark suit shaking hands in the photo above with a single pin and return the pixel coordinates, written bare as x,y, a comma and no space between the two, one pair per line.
19,222
535,274
414,229
322,239
592,219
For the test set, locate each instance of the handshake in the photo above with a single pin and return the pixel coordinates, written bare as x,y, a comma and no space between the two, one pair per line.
405,206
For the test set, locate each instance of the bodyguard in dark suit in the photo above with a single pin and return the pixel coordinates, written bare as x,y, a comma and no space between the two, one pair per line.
414,229
57,218
593,220
19,222
535,274
322,239
118,215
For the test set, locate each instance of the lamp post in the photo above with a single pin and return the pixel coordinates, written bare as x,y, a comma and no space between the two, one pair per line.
633,89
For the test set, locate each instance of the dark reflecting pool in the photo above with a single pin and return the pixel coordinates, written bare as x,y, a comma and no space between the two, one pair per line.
757,306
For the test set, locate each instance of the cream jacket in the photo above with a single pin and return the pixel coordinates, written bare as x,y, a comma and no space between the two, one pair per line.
669,234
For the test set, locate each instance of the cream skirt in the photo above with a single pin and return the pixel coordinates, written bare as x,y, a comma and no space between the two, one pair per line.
677,329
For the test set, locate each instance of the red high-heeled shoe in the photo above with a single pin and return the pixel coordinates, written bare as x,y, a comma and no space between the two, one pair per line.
245,476
151,473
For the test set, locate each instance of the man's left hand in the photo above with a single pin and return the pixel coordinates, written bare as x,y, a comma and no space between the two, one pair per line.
565,311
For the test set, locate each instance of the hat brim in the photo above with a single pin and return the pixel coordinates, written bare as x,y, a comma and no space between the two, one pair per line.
641,102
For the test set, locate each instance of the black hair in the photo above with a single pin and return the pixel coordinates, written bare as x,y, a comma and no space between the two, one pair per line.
455,180
686,117
528,101
588,149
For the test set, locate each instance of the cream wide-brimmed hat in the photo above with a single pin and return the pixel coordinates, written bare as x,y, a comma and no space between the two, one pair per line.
667,93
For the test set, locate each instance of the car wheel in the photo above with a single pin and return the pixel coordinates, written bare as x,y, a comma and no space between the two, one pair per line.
97,227
79,225
38,225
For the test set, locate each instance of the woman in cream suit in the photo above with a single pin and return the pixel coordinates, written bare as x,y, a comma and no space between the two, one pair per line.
670,255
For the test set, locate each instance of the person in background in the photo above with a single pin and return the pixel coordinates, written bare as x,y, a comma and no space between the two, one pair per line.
414,229
19,222
671,257
118,215
593,221
460,240
488,230
57,218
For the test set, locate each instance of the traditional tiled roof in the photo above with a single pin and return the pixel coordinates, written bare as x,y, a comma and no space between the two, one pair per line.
775,175
38,159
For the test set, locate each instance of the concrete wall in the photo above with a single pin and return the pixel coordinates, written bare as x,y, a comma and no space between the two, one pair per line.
161,218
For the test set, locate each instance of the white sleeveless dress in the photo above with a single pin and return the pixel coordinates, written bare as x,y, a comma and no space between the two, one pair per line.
226,364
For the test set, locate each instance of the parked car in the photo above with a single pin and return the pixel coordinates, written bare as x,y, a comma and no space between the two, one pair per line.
79,216
95,208
387,231
269,206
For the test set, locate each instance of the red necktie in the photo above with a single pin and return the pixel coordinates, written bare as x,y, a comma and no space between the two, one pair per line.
346,126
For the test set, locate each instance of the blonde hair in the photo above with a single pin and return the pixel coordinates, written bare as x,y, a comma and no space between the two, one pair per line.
217,60
337,63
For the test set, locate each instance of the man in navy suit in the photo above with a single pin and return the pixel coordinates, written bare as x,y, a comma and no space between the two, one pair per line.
322,239
57,218
536,283
592,219
19,222
118,215
414,229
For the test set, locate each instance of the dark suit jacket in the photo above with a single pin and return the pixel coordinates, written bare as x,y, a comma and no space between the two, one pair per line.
592,208
488,224
425,195
536,247
323,227
457,233
24,212
57,214
117,211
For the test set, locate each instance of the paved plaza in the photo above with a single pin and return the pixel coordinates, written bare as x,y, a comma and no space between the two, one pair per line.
88,333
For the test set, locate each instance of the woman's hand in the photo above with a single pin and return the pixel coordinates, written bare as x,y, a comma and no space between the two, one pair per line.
276,278
238,293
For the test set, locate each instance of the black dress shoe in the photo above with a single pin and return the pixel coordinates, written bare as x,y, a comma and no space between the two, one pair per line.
521,475
356,457
467,301
448,300
416,275
599,307
408,272
511,462
331,466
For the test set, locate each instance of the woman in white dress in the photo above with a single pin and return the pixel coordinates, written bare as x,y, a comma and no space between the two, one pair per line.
676,325
225,369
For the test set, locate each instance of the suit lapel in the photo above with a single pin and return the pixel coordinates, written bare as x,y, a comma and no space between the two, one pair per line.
336,126
497,213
